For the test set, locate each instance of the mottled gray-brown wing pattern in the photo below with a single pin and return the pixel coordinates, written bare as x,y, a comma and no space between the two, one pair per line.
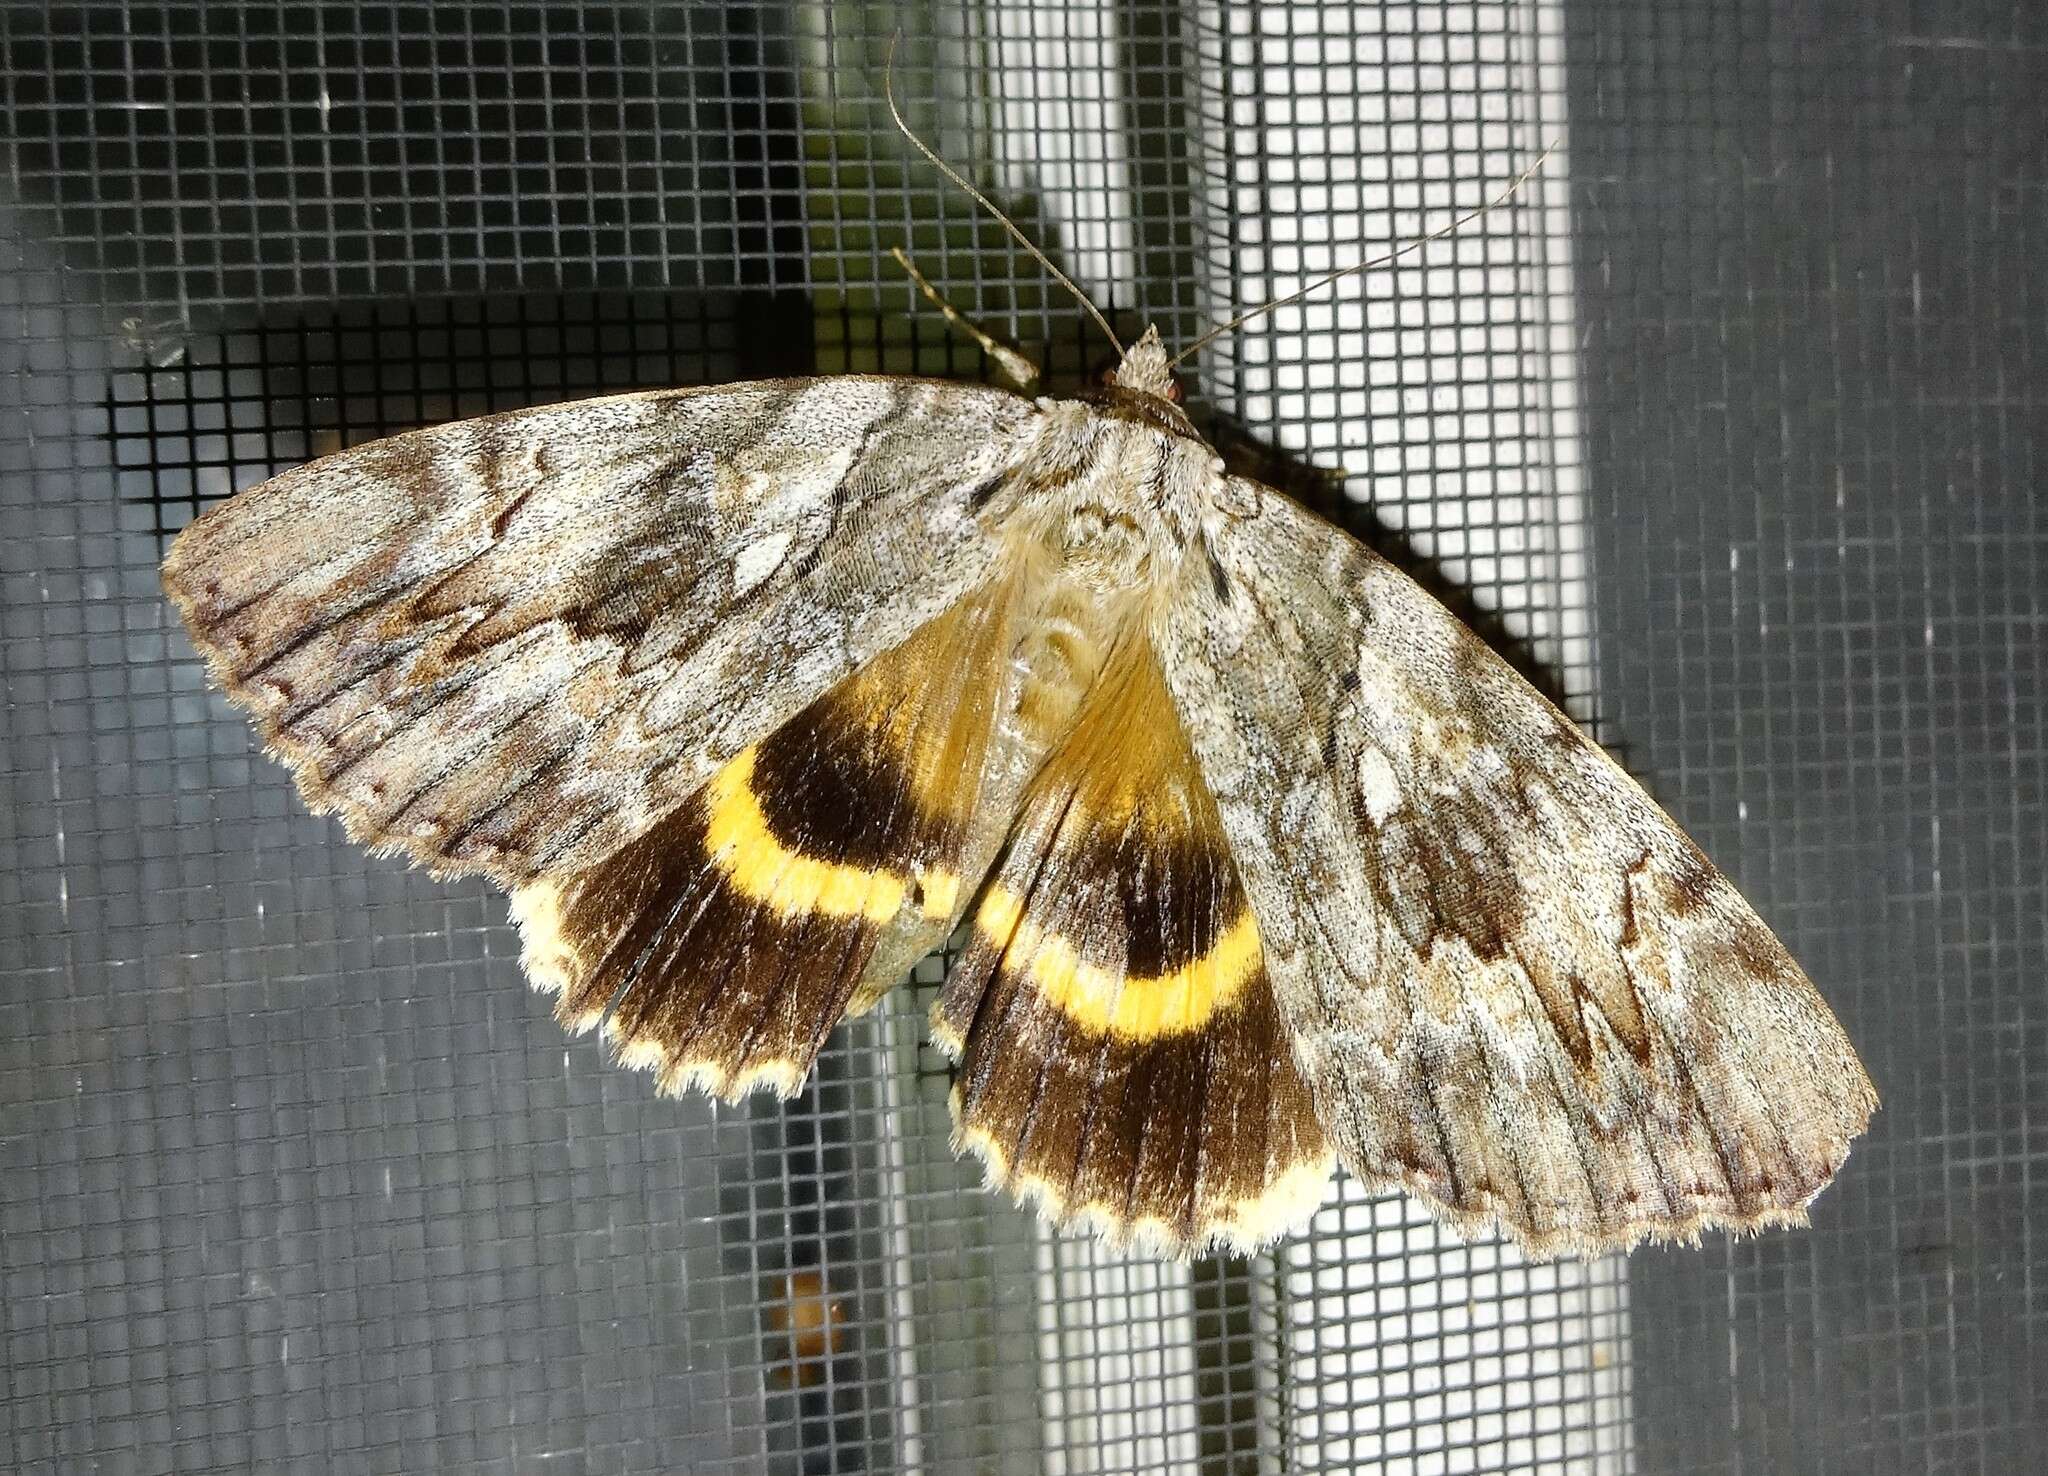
1515,987
511,644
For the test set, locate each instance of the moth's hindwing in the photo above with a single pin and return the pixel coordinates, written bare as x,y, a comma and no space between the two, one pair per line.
802,881
1516,988
512,644
1121,1059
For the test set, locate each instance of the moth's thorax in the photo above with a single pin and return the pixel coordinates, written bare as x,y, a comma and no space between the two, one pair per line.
1116,489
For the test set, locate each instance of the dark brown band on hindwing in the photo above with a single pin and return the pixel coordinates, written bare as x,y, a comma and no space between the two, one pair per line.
1185,1140
727,941
1122,1058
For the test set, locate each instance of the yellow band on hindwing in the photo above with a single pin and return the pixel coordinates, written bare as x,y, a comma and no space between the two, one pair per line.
1111,1002
758,865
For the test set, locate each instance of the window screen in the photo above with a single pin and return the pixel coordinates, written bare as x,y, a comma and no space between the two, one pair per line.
1724,427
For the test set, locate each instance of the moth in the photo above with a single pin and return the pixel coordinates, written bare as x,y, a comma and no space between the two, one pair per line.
751,695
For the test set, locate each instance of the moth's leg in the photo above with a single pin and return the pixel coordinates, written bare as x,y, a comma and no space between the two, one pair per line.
1020,370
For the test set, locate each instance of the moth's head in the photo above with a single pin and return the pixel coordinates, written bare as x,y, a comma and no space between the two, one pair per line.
1140,386
1147,368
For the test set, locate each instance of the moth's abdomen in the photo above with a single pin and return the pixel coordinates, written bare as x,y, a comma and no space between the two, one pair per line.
1059,652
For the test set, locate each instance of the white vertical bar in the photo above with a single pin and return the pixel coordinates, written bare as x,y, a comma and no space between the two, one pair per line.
1404,1351
898,1035
1117,1347
1062,133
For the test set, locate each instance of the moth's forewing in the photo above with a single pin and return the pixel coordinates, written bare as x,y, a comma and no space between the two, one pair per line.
1515,987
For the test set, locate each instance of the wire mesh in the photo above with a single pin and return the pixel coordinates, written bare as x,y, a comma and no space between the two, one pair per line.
1724,429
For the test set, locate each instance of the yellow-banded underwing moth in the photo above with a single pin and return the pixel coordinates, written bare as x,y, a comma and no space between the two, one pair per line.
751,694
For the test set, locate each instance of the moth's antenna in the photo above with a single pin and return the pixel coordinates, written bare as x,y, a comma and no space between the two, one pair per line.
1378,261
889,94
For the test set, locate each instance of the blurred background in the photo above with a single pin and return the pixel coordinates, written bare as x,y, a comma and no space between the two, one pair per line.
1726,429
